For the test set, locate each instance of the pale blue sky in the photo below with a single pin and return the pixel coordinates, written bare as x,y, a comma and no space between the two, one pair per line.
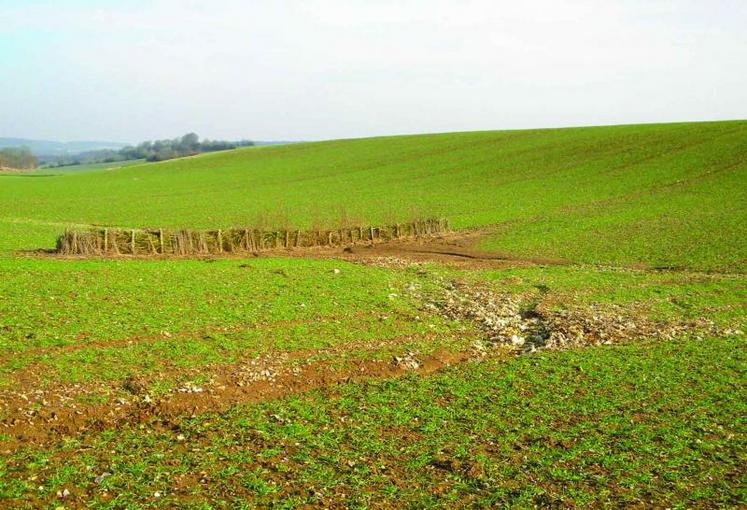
316,69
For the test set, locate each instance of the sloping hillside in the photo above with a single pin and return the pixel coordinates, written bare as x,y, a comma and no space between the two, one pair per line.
659,195
379,380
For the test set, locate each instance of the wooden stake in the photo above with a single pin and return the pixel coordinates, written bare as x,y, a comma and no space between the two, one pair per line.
153,249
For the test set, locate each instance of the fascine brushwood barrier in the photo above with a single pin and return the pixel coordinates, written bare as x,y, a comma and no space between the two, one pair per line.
145,242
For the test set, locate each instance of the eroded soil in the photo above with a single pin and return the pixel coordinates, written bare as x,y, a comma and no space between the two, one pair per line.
498,325
34,419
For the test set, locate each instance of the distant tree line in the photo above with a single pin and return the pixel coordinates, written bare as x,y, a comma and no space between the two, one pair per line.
187,145
19,158
158,150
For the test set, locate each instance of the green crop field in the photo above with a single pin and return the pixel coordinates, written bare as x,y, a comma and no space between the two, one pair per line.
592,355
664,195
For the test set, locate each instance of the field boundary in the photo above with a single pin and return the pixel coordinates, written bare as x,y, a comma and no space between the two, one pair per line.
121,241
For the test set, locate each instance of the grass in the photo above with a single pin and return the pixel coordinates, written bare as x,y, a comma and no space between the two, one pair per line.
657,195
647,425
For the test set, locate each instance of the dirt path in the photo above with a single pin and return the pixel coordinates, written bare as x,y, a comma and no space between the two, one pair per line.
453,248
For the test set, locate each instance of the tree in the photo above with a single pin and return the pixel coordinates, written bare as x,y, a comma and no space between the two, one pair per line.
20,158
190,143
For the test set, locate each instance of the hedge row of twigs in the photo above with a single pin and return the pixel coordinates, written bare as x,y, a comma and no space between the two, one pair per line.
118,241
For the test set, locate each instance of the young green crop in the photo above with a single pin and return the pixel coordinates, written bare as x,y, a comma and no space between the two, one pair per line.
102,320
651,424
646,425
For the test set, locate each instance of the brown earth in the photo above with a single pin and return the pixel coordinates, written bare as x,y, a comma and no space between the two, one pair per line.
453,248
267,377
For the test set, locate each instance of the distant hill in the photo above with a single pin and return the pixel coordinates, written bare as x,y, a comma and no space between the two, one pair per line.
53,148
265,142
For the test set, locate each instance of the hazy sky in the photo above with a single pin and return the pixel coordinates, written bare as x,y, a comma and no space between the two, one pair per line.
269,70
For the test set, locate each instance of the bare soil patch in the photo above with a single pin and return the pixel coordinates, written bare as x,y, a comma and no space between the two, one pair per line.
266,377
